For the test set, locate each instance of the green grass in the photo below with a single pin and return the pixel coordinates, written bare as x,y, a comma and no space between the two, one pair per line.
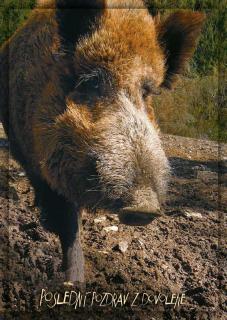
197,107
194,108
12,14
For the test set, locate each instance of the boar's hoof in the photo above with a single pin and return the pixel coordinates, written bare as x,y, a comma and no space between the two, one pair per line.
138,216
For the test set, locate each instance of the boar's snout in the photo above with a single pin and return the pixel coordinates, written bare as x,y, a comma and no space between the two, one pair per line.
143,210
131,164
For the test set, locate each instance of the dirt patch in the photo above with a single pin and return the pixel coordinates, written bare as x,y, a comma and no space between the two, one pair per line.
179,253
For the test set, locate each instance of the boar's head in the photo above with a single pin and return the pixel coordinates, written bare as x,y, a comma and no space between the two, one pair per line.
107,151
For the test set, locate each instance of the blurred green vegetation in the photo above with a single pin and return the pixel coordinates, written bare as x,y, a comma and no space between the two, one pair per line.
197,108
193,108
12,14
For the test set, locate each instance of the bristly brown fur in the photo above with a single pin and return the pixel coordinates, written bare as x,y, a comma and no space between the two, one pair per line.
76,87
53,50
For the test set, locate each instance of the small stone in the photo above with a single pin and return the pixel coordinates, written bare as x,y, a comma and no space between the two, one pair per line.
68,284
123,246
113,218
164,266
100,219
103,251
111,228
193,214
21,174
13,228
141,243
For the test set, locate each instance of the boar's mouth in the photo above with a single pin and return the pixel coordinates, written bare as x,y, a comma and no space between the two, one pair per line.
139,208
132,216
137,216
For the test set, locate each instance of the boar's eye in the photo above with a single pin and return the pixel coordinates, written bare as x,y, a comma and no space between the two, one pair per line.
90,86
86,90
148,88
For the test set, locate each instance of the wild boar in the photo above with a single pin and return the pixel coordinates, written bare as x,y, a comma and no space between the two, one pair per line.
77,81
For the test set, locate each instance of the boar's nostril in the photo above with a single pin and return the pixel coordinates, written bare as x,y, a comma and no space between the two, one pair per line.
138,216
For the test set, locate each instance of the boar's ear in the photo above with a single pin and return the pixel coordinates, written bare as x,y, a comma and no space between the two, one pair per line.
178,35
75,18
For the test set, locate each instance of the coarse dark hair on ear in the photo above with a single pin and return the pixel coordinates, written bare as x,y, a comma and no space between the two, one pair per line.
75,18
178,35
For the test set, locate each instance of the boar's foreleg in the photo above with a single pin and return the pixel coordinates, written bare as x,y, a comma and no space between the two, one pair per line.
73,257
63,218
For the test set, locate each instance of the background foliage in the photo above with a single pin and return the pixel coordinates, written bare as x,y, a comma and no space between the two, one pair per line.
197,108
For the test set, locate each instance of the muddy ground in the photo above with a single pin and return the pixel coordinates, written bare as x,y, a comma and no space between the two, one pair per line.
179,253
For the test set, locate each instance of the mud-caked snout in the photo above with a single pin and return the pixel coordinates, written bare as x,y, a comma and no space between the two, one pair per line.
142,210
